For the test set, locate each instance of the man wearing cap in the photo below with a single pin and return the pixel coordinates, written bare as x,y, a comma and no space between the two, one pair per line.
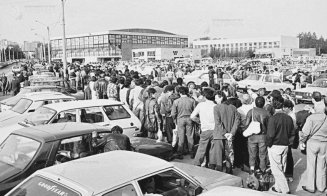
314,134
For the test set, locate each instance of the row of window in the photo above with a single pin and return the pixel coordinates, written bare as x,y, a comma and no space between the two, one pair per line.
87,52
105,40
140,54
237,45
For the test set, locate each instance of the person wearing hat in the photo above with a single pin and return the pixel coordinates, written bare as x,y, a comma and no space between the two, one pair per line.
314,139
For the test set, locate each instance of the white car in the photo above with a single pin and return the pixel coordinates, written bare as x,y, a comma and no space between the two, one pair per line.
305,94
28,104
257,81
123,173
199,76
102,112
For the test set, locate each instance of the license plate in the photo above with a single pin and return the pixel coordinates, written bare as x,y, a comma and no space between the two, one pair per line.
298,96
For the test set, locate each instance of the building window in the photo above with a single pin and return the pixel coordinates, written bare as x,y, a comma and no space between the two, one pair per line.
151,53
141,53
264,43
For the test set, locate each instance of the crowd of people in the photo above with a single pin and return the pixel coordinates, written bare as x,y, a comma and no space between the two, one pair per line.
213,123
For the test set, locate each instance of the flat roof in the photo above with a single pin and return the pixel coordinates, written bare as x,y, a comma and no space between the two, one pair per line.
108,170
135,31
81,104
51,132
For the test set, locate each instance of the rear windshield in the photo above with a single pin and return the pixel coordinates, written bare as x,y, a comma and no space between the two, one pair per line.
40,186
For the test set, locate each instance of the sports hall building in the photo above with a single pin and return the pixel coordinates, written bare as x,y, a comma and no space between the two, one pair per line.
114,45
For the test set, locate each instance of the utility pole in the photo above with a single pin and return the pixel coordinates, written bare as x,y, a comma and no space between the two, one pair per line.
48,30
64,38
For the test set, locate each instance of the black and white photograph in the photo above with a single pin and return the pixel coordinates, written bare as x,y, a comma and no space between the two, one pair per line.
163,97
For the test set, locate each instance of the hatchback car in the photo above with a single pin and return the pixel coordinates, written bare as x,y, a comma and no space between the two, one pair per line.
28,104
119,173
10,102
199,76
102,112
30,149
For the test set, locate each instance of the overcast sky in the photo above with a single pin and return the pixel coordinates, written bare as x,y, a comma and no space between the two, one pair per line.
195,18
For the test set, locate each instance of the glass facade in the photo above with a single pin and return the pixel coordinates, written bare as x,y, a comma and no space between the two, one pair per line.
111,44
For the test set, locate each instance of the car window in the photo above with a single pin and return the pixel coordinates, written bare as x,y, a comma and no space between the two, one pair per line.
167,183
268,78
65,116
91,115
226,76
127,190
41,186
116,112
22,105
17,151
254,77
276,80
74,148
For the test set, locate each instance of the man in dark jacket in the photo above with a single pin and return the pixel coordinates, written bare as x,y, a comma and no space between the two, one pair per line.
280,131
15,85
101,87
257,142
115,140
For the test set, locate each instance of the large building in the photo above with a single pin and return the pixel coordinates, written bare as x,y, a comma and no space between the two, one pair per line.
152,54
279,46
114,45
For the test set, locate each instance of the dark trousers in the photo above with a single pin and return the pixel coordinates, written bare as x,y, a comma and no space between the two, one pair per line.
255,149
185,128
289,163
211,82
168,125
204,143
241,150
221,150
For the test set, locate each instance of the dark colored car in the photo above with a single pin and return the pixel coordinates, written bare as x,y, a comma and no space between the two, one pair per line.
30,149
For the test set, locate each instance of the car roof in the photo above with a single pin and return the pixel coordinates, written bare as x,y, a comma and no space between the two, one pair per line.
108,170
81,104
37,96
52,132
43,86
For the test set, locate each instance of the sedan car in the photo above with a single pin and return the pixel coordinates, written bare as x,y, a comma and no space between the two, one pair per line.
257,81
199,76
10,102
102,112
30,149
305,94
28,104
119,173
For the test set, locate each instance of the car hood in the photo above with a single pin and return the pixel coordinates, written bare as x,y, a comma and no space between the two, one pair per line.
7,115
12,100
7,171
310,89
7,130
208,178
232,191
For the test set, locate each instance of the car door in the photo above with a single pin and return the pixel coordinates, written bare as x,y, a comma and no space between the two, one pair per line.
93,115
268,83
123,117
66,116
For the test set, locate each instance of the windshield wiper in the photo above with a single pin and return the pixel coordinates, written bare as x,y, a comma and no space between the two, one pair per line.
29,122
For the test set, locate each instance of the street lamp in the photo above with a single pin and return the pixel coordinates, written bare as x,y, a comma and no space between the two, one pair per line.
48,29
64,38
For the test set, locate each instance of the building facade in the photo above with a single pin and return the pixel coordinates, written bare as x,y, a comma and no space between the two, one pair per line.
114,45
153,54
272,46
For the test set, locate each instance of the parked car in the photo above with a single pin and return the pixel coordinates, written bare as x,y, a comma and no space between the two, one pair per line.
199,76
30,149
28,104
305,94
119,173
8,103
102,112
257,81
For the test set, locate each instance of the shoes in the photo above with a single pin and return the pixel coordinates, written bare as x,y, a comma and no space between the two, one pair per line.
305,189
251,172
274,189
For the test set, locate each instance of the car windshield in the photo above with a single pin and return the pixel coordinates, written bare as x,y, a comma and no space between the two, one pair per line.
320,83
40,117
22,105
254,77
41,186
18,151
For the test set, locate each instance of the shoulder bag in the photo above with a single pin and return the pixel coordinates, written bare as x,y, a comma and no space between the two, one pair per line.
253,128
